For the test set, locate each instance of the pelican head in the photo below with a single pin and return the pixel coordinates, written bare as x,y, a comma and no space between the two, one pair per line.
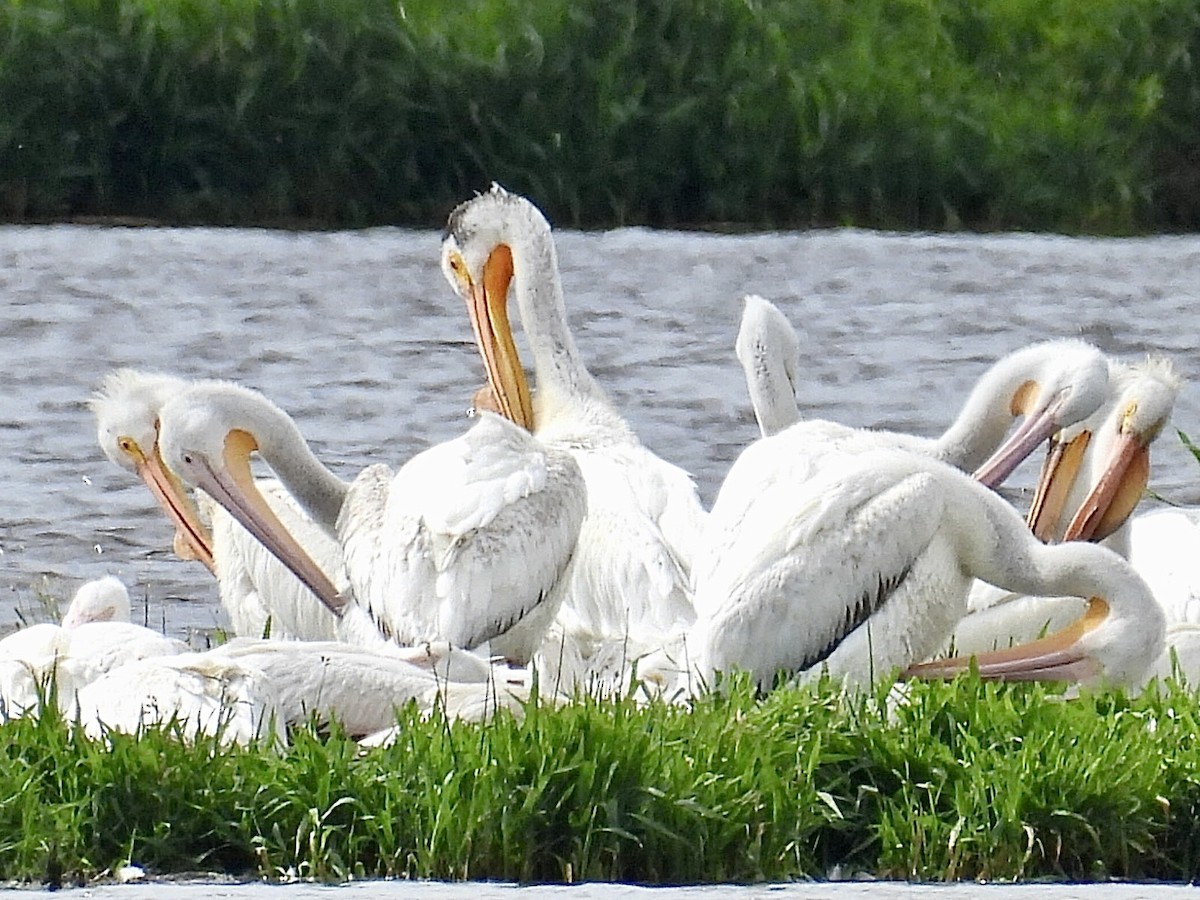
1102,464
1059,383
1116,641
100,600
126,409
477,260
769,353
208,434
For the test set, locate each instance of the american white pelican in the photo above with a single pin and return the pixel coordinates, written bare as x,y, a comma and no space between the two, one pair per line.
103,599
1051,385
249,689
1092,480
1098,468
769,352
126,410
95,637
838,555
1163,548
443,549
258,592
628,578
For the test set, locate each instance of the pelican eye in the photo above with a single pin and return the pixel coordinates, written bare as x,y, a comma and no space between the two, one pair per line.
126,444
1128,414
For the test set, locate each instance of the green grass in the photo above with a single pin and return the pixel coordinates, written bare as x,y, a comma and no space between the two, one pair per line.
967,780
1034,114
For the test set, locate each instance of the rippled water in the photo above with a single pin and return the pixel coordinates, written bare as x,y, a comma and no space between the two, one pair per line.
360,338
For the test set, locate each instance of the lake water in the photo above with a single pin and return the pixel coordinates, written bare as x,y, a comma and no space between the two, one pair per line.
359,337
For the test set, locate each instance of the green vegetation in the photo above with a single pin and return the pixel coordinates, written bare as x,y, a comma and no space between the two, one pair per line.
966,780
1054,114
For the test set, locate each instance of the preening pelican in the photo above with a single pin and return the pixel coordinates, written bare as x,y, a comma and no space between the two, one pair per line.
1098,469
99,600
628,577
1093,478
444,549
842,556
258,592
126,410
1051,385
769,353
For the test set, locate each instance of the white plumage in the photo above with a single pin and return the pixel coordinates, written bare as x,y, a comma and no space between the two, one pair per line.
440,550
836,554
96,637
1051,385
628,578
254,587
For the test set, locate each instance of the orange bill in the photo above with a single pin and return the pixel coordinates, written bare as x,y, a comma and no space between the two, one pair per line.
1034,430
1056,657
488,310
233,487
1054,485
1115,495
192,538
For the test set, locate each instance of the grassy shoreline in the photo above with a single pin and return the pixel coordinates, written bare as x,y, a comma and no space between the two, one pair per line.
996,115
965,781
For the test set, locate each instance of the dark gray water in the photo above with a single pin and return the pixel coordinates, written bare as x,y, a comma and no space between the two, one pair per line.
361,339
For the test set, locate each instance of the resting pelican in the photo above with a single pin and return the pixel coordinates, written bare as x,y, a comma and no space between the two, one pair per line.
628,577
1051,385
838,555
258,592
443,549
95,637
251,688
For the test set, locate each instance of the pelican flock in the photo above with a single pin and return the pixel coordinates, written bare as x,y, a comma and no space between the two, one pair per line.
546,544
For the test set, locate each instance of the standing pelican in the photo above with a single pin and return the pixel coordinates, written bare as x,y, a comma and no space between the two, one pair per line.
258,592
628,578
840,556
443,549
1051,385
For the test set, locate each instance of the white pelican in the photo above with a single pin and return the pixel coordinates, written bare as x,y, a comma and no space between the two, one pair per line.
1163,544
628,577
769,353
95,637
258,592
249,689
103,599
1098,468
1051,384
838,555
443,549
1092,480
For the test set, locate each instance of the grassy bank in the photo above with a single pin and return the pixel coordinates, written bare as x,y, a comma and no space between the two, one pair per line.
966,781
997,114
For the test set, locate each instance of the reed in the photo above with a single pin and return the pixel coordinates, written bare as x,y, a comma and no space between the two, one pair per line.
996,114
962,780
